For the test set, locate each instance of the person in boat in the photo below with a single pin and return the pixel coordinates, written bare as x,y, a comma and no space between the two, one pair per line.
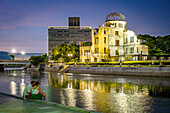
37,90
28,90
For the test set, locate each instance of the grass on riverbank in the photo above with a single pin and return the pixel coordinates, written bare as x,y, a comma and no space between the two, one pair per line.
121,66
149,63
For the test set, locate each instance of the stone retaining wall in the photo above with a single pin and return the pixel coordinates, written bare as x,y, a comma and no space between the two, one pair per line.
37,68
144,71
138,71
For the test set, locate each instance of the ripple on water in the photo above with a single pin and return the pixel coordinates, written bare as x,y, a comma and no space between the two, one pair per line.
95,92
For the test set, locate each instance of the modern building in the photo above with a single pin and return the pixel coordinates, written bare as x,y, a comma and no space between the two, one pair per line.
113,42
5,56
74,33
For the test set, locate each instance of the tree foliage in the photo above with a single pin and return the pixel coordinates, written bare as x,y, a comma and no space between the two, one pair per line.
12,56
156,45
87,44
35,60
63,52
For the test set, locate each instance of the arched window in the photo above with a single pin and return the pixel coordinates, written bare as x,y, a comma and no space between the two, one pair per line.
126,40
104,39
104,31
96,50
97,40
104,50
116,33
131,39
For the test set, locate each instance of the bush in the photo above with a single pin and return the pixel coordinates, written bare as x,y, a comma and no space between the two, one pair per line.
156,62
166,62
70,63
81,63
137,62
35,60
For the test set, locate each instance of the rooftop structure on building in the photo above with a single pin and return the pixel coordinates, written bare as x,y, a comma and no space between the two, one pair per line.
74,33
74,21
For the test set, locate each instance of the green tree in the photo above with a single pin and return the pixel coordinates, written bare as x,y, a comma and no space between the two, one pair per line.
66,52
156,45
35,60
87,43
164,44
12,56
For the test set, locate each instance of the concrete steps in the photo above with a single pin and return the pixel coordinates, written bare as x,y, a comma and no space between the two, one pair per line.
65,69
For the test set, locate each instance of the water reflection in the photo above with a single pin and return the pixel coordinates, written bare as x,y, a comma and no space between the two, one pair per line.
62,97
64,81
88,99
70,97
105,96
22,87
95,92
13,87
156,91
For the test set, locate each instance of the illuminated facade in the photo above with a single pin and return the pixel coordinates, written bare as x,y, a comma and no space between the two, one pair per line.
113,42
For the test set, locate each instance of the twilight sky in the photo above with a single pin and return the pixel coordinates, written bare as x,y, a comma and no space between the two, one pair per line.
24,23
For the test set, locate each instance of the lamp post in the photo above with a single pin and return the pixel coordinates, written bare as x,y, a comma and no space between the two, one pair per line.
23,53
13,50
70,55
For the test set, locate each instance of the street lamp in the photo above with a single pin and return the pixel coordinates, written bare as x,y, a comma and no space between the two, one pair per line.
23,53
70,55
13,50
87,56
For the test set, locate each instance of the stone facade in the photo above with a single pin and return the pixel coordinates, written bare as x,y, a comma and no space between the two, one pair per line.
113,42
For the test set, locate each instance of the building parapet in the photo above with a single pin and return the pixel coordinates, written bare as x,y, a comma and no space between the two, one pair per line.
69,27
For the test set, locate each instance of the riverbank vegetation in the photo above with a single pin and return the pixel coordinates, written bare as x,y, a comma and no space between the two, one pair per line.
159,45
35,60
153,63
66,53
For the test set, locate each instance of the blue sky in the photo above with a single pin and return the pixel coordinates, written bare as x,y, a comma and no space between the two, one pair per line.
24,23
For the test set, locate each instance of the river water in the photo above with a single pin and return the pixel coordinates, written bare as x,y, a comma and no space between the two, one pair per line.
103,93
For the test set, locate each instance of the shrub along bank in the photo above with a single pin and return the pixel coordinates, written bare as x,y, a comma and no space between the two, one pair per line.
149,62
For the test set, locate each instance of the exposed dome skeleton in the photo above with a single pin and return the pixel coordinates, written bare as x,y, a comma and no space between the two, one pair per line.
115,16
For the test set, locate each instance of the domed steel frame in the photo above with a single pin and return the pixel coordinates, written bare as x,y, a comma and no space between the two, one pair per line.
115,17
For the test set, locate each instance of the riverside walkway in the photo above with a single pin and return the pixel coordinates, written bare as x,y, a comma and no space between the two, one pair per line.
14,104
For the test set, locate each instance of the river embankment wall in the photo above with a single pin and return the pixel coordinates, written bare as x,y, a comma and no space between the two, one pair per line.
38,68
137,71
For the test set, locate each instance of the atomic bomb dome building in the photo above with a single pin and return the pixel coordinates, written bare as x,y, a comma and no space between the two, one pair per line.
113,42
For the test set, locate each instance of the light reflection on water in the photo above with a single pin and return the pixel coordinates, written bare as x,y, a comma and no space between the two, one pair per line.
22,87
95,92
13,87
